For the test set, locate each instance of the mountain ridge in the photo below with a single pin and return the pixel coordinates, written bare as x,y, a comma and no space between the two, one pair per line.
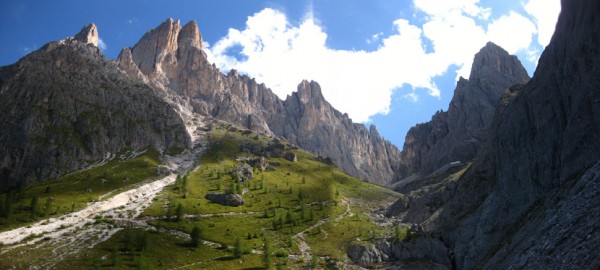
65,107
529,200
456,135
241,100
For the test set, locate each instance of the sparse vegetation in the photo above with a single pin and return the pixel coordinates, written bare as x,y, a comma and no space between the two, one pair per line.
74,191
402,233
278,205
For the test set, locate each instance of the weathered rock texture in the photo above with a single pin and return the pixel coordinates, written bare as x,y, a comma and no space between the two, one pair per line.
456,135
420,250
171,56
225,199
531,198
88,35
65,106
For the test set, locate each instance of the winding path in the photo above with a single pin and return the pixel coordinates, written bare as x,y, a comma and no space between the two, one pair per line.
303,246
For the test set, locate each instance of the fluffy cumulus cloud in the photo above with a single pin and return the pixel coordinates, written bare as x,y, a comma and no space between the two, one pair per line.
544,14
281,54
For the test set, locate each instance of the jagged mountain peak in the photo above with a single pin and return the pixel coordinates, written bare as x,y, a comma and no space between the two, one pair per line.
156,45
310,91
190,35
457,134
493,59
88,35
172,58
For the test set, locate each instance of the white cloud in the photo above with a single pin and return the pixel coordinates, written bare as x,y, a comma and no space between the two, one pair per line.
357,82
132,20
456,31
361,83
545,13
374,38
101,45
411,96
513,32
442,8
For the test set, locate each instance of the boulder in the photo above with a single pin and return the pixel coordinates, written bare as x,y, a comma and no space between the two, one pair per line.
366,255
243,173
275,149
260,163
225,199
421,249
290,156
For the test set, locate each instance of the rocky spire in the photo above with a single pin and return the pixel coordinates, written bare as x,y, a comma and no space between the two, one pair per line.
190,36
457,134
174,57
155,46
88,34
494,59
309,91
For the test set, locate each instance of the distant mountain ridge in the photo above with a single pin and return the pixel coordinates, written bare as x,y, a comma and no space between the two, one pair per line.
65,107
168,63
457,135
171,57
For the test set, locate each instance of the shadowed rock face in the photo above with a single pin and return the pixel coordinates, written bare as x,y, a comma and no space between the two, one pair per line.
65,106
171,57
531,198
456,135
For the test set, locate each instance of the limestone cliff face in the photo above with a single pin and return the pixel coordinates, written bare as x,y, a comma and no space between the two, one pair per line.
171,57
456,135
65,106
531,198
312,123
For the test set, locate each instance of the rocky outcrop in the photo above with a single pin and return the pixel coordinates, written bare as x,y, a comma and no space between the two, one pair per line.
290,156
419,249
366,255
313,124
88,35
530,199
457,135
260,163
171,56
225,199
243,173
65,106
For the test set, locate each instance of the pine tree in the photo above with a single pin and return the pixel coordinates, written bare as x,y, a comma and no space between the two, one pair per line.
184,182
237,248
48,206
267,260
300,196
34,206
179,213
196,237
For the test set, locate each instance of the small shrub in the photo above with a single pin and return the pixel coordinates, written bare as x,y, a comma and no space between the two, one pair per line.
282,253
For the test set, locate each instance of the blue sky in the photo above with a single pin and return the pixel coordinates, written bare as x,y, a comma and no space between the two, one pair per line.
389,63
